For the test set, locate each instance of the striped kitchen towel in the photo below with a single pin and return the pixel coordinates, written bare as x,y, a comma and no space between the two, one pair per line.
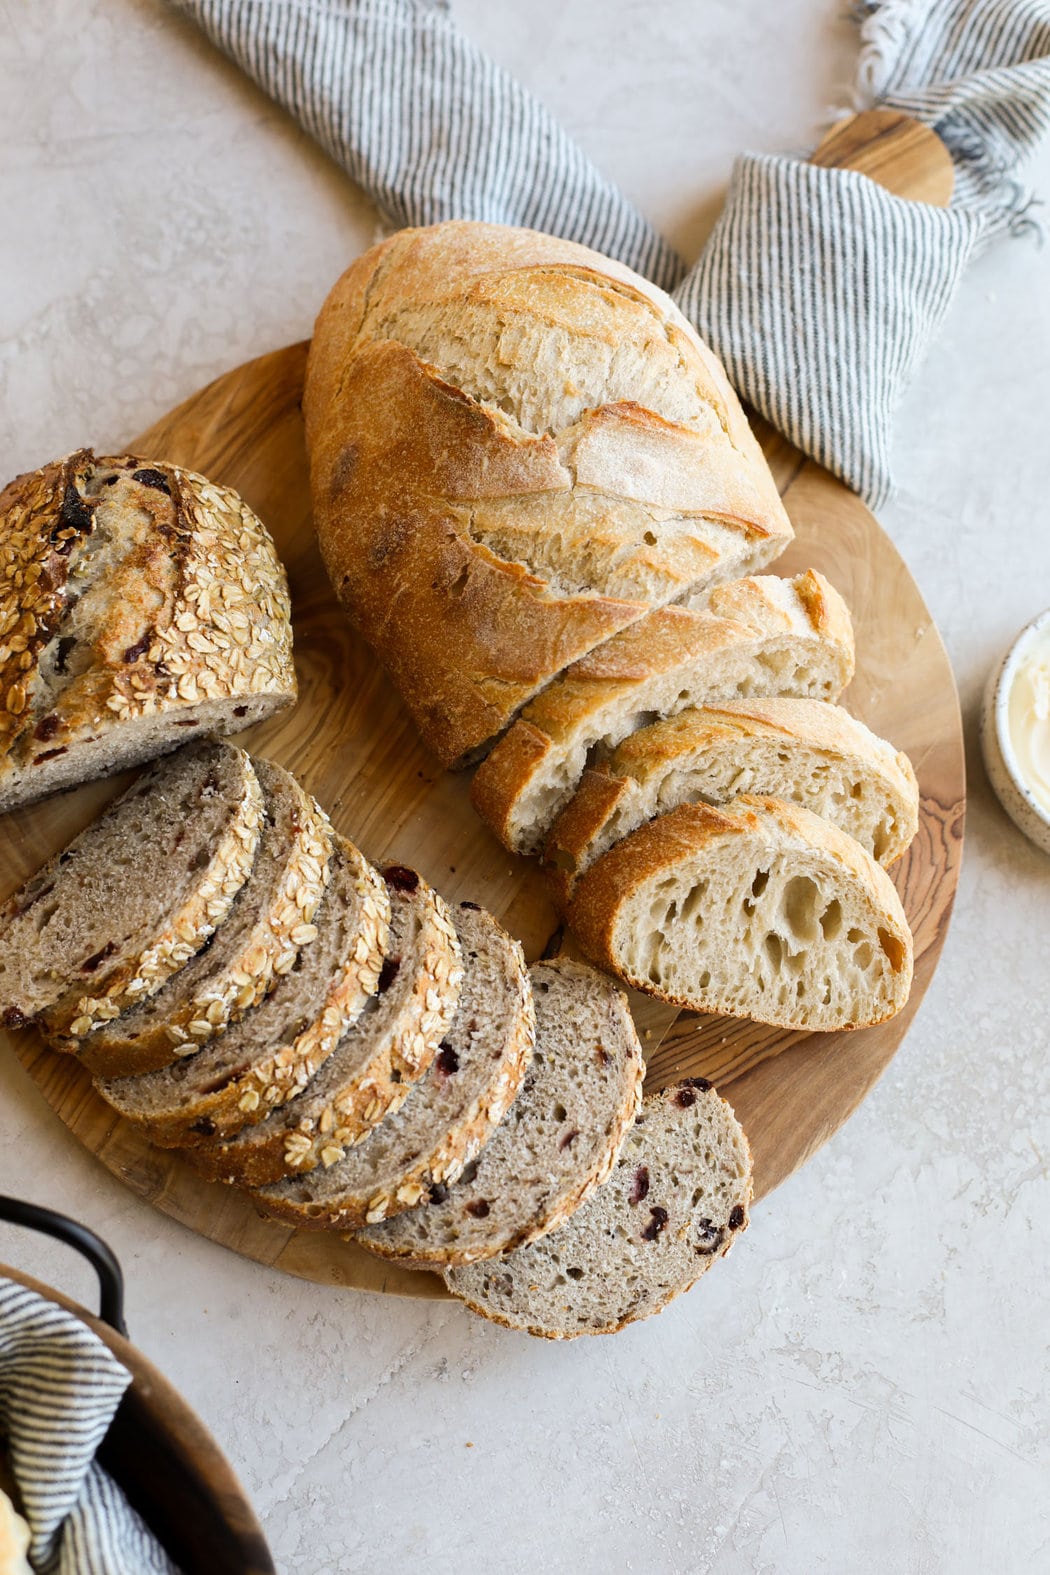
59,1389
819,290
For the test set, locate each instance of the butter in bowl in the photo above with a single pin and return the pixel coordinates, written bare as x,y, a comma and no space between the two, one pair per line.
1015,731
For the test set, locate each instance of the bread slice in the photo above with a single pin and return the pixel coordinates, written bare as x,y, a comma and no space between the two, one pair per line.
389,1047
675,1203
259,940
140,605
756,909
756,637
135,895
274,1050
558,1141
450,1114
813,753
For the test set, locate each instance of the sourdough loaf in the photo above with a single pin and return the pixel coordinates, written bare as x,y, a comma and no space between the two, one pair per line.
815,754
140,604
675,1203
449,1114
755,909
517,447
368,1075
260,939
757,636
130,901
274,1050
558,1141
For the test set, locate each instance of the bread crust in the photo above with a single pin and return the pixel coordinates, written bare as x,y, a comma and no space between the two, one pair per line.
401,458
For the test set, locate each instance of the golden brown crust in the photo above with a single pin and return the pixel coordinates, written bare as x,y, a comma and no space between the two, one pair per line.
588,811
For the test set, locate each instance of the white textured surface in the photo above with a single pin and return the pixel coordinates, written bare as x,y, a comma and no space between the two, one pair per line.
863,1384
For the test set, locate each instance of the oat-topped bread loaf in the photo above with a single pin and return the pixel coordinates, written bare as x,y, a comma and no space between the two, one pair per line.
757,636
449,1114
675,1203
130,901
815,754
267,924
387,1049
558,1141
140,604
754,909
274,1050
517,447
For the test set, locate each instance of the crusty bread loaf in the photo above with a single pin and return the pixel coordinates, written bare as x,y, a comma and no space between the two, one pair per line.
140,604
369,1074
815,754
268,922
756,909
274,1050
517,447
558,1141
675,1203
449,1115
757,636
85,938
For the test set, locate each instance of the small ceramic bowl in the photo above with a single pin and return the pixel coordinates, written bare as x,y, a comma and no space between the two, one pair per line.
1000,757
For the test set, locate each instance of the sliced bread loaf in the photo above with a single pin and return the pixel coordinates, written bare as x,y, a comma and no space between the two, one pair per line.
805,750
259,940
758,636
674,1204
756,909
274,1050
369,1074
140,604
130,900
450,1114
558,1141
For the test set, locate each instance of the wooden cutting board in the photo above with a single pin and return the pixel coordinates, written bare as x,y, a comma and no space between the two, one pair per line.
351,743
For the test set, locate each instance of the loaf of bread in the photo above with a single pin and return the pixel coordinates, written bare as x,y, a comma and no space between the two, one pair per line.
81,941
673,1206
757,636
558,1141
517,448
756,909
140,604
815,754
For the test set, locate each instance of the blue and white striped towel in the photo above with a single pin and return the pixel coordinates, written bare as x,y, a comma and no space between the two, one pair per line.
819,290
59,1389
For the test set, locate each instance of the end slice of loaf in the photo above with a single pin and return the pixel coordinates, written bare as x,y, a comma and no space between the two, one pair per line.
127,904
675,1203
812,753
258,941
758,636
450,1114
756,909
140,605
369,1074
558,1141
274,1050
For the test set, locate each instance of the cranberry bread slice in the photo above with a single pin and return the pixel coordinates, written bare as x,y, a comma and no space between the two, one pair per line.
756,909
675,1203
450,1114
558,1141
808,751
274,1050
259,940
369,1074
139,891
758,636
140,604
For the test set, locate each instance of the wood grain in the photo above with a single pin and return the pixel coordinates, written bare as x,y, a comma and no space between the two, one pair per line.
896,152
351,742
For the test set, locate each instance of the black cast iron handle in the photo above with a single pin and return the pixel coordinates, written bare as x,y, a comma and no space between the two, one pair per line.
90,1246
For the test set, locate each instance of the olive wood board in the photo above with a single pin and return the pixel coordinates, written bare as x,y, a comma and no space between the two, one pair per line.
350,741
